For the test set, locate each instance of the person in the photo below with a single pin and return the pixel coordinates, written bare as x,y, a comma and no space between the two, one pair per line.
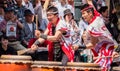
110,23
1,14
55,38
29,27
74,32
97,37
41,13
4,48
19,10
11,26
28,5
62,5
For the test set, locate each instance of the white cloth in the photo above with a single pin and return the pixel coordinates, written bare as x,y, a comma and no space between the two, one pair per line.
98,29
62,8
30,26
29,6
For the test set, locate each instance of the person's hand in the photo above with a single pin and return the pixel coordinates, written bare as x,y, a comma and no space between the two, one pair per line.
34,47
25,42
14,18
75,47
37,33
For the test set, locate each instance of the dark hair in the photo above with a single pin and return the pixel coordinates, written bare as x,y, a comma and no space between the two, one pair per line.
3,36
66,12
28,12
52,9
103,9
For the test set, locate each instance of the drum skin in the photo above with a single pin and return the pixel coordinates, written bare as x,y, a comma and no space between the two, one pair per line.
56,66
15,63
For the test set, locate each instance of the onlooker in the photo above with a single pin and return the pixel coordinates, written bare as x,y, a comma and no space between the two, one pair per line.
1,14
41,14
19,10
11,27
111,24
4,48
29,27
74,32
63,5
28,5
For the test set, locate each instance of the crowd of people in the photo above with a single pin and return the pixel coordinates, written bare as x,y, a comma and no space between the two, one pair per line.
27,24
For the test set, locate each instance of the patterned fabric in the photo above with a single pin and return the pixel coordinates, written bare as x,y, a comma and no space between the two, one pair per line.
50,44
26,30
105,45
66,41
105,49
3,27
19,12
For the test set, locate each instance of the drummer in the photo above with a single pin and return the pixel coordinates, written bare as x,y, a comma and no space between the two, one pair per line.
98,37
56,34
4,48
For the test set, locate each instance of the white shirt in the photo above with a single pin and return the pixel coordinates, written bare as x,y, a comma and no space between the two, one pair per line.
30,26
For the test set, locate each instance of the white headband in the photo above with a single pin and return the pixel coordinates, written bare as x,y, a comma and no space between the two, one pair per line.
52,12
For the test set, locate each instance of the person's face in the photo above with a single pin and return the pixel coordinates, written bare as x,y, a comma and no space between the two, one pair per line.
1,11
86,16
19,2
4,42
105,14
63,2
52,18
9,15
26,1
68,17
29,18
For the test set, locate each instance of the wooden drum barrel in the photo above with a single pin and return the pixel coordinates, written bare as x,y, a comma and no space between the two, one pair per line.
15,63
117,68
56,66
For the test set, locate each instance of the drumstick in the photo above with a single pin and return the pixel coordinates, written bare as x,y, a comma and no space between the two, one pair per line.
46,4
20,52
105,57
36,22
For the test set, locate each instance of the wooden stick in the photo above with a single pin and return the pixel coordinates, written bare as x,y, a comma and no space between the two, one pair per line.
45,6
20,52
105,57
68,63
36,16
108,4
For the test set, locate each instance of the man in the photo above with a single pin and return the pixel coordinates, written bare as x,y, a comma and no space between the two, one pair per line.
29,27
97,37
110,22
28,5
19,10
54,36
12,27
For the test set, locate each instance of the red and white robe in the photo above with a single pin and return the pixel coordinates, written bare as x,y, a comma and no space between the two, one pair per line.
105,45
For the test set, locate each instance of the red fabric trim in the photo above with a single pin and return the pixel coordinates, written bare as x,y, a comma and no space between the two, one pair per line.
50,44
95,34
68,51
87,8
96,14
94,53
